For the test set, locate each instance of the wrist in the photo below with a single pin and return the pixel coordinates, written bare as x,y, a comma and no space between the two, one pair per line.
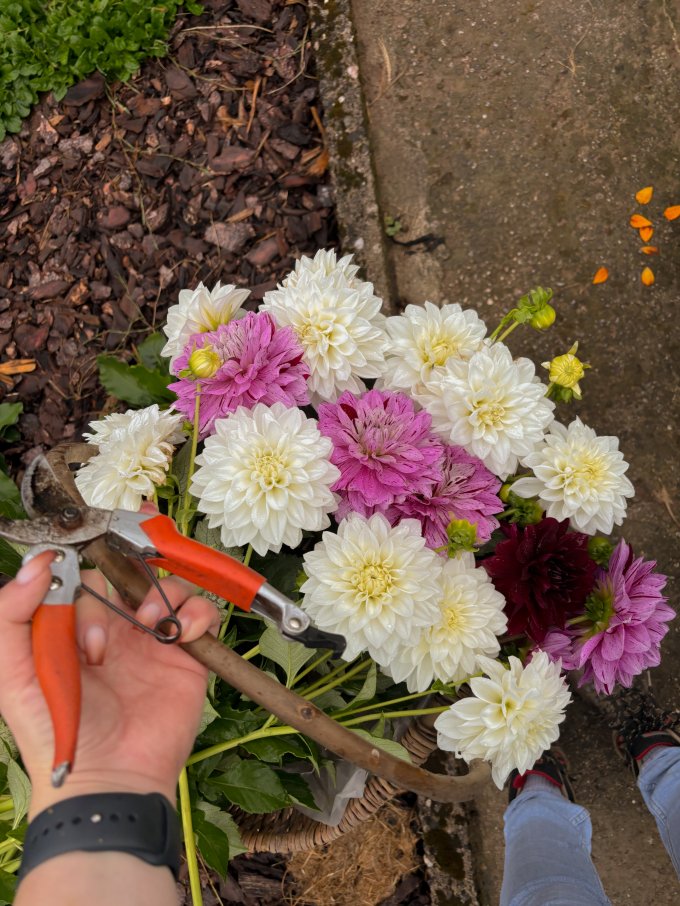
84,783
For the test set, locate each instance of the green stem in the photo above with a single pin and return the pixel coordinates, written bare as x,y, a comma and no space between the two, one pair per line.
506,333
234,743
251,654
194,446
324,679
11,867
312,666
377,705
582,619
418,712
230,608
6,805
336,682
8,845
189,841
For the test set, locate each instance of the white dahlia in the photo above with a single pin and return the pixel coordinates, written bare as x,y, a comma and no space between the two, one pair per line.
340,328
326,265
374,583
423,339
470,619
264,477
579,476
135,452
494,407
199,311
512,718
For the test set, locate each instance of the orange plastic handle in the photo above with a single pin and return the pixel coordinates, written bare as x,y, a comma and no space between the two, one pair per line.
211,569
57,667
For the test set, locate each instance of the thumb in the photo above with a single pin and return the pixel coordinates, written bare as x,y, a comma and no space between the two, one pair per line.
19,600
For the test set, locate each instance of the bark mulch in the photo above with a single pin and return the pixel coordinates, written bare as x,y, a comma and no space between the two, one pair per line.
210,165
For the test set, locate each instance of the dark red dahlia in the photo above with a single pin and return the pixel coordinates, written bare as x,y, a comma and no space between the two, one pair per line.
545,574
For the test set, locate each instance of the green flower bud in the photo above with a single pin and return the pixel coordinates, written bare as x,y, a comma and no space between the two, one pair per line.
462,536
524,511
600,550
543,318
203,363
505,492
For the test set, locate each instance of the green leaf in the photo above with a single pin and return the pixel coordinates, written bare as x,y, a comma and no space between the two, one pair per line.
207,717
225,822
149,352
212,538
8,886
10,499
252,786
9,415
280,571
10,561
387,745
19,790
212,842
292,656
231,724
297,788
134,384
367,691
331,700
273,749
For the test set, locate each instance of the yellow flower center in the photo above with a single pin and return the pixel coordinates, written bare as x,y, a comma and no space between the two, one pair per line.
566,370
269,471
372,581
453,619
585,473
490,414
437,349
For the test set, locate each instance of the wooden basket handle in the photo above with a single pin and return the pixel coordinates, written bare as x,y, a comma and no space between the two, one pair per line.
286,705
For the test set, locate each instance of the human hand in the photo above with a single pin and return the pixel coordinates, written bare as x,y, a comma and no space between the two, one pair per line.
141,700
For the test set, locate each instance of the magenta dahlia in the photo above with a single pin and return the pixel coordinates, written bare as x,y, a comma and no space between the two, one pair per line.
628,618
254,362
559,645
383,448
466,490
545,574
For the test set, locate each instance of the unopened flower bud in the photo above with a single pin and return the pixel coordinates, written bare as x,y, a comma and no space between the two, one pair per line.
543,318
567,370
600,550
204,362
462,536
504,492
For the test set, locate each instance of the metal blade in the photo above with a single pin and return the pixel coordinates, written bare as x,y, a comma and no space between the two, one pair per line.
41,490
76,525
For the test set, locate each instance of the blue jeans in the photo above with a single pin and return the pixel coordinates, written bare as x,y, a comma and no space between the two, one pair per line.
547,839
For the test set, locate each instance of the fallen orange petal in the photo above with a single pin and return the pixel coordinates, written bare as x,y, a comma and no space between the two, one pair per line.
600,276
647,276
644,196
646,233
672,213
637,221
649,250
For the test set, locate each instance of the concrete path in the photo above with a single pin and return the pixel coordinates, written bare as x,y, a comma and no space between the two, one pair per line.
514,134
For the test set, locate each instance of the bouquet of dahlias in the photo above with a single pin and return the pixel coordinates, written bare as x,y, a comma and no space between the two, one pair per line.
405,478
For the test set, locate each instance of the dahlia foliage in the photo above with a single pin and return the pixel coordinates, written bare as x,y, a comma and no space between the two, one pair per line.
411,484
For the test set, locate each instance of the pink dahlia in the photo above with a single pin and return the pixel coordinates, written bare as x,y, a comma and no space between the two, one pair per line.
254,362
559,645
466,490
383,448
628,617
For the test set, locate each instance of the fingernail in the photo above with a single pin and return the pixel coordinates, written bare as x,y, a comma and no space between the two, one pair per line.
149,613
186,626
30,571
95,645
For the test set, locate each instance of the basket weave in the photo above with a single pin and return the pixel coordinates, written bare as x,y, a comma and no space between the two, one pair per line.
289,831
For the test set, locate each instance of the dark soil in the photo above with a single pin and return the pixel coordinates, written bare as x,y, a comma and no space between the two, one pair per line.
210,165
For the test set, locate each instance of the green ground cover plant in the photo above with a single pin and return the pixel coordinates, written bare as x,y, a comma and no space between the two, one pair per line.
48,45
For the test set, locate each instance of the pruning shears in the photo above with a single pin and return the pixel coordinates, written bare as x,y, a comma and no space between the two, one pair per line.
59,525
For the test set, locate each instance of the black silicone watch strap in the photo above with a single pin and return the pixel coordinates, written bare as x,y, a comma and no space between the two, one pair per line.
145,826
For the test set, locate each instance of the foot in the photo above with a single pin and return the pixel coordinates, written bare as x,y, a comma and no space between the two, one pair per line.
551,766
641,725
